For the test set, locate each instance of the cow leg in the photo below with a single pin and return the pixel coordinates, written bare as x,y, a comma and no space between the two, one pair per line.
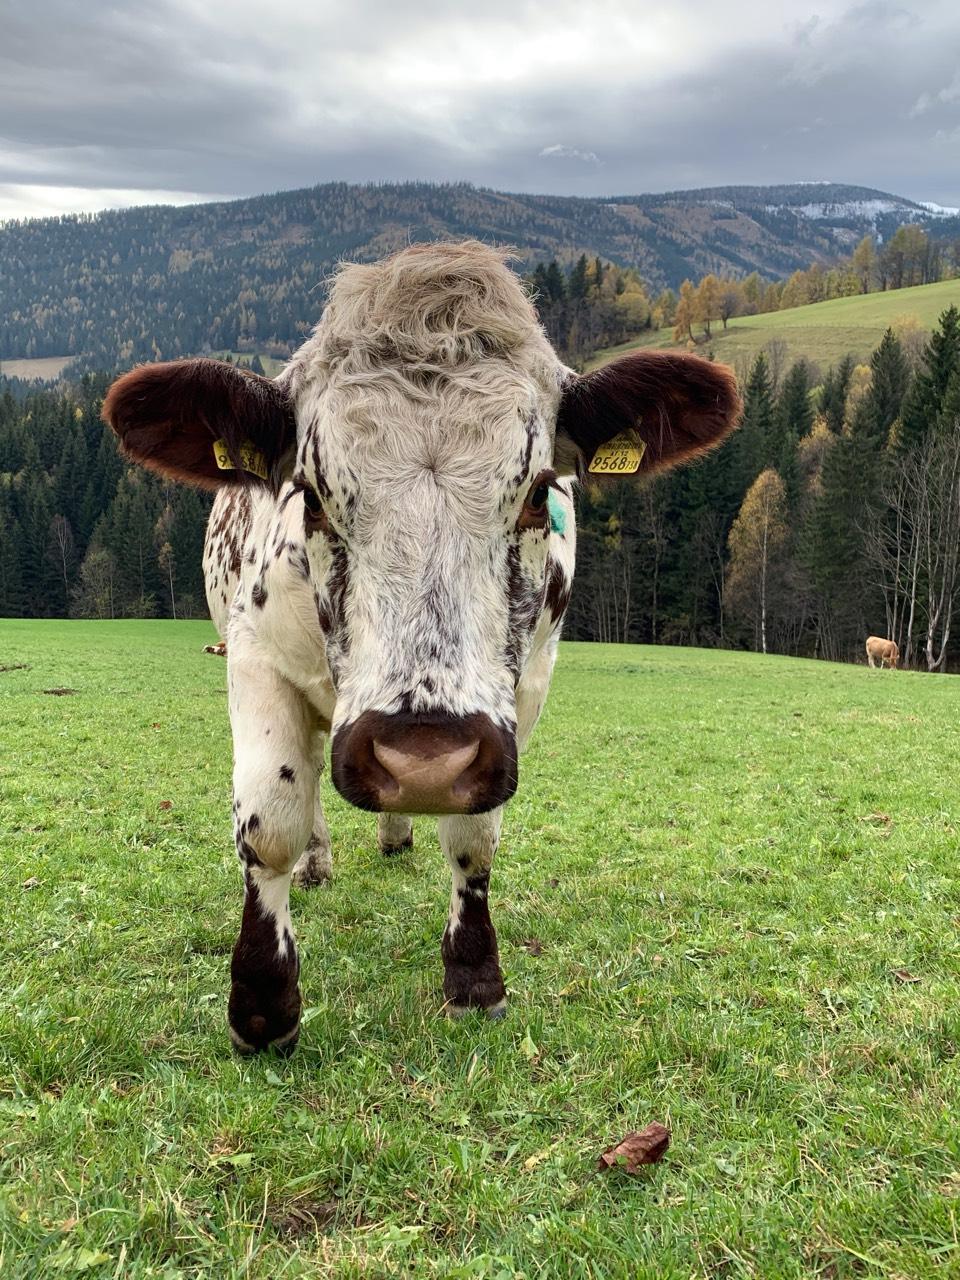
316,862
274,783
471,963
394,833
870,660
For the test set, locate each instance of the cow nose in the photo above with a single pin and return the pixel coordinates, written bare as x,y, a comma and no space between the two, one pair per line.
410,763
424,777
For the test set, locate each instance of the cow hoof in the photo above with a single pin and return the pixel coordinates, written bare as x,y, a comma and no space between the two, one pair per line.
254,1031
283,1045
494,1013
315,867
392,850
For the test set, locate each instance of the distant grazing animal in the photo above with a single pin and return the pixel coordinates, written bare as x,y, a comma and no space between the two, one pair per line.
388,560
882,651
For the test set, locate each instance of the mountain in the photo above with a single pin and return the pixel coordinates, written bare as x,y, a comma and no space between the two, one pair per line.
116,287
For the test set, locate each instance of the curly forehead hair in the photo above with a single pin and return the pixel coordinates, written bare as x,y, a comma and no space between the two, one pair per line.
435,308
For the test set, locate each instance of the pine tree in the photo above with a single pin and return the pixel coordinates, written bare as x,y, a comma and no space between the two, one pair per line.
941,360
834,393
890,378
755,440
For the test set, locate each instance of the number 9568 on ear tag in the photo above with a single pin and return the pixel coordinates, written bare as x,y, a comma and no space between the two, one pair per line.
620,456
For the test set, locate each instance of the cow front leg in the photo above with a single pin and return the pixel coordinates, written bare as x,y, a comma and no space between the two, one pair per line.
394,833
274,783
471,962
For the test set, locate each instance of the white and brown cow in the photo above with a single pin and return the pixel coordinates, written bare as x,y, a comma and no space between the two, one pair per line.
396,577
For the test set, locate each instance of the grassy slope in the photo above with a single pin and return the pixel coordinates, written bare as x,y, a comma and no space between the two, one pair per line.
823,332
724,858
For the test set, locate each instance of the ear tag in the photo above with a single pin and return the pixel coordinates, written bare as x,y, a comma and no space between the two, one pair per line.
620,456
250,456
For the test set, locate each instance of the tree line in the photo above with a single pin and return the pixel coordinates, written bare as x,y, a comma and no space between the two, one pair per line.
82,534
834,511
910,257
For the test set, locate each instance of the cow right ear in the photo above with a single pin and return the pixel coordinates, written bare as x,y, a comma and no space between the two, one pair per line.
203,422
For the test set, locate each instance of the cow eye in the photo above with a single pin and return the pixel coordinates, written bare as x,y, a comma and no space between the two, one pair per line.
534,513
312,503
314,516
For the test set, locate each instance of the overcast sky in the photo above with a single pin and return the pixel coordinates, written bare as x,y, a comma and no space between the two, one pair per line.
178,100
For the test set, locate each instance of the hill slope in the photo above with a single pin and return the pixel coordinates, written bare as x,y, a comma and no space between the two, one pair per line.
823,332
247,274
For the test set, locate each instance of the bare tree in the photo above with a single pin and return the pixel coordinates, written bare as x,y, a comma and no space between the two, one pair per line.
914,548
61,536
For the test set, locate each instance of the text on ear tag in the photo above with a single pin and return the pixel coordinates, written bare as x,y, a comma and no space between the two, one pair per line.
620,456
250,456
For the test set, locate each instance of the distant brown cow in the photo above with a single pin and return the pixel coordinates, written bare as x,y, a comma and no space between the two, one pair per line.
884,651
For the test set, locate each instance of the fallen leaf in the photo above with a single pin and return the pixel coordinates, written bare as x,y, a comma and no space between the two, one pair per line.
646,1147
156,725
529,1047
166,804
904,976
878,819
533,945
307,1218
32,883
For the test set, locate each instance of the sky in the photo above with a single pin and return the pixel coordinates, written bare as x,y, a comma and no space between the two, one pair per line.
110,104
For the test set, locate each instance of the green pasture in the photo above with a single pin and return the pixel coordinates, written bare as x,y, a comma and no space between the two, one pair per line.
727,899
824,332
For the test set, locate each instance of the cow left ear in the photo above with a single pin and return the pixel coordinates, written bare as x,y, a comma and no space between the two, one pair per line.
643,413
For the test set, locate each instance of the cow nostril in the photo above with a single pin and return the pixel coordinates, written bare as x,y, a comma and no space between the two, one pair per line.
425,773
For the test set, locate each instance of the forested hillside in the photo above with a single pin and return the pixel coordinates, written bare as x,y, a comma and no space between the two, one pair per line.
248,275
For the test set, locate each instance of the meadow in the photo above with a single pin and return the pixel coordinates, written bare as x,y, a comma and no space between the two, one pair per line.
727,900
823,332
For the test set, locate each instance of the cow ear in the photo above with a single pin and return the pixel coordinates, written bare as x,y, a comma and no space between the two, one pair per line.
202,422
644,413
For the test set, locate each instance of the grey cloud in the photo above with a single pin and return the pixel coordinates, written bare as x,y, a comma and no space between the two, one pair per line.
174,95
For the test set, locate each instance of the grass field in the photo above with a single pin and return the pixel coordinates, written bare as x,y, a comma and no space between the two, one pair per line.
727,899
824,332
45,367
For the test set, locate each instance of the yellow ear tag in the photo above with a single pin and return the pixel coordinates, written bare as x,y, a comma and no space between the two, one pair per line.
251,457
620,456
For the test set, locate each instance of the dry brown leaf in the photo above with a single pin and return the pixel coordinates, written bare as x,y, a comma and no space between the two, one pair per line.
646,1147
904,976
878,819
166,804
32,883
533,945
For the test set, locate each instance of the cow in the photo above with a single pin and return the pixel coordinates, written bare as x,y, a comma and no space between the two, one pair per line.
389,560
885,651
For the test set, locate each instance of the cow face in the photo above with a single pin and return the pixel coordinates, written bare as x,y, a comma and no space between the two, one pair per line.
423,427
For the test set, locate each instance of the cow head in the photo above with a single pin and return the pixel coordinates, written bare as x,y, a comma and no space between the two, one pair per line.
421,429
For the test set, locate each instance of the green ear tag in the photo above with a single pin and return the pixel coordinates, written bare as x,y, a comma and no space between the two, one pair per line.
250,456
620,456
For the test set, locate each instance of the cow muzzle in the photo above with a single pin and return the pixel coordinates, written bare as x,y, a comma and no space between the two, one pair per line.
409,763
